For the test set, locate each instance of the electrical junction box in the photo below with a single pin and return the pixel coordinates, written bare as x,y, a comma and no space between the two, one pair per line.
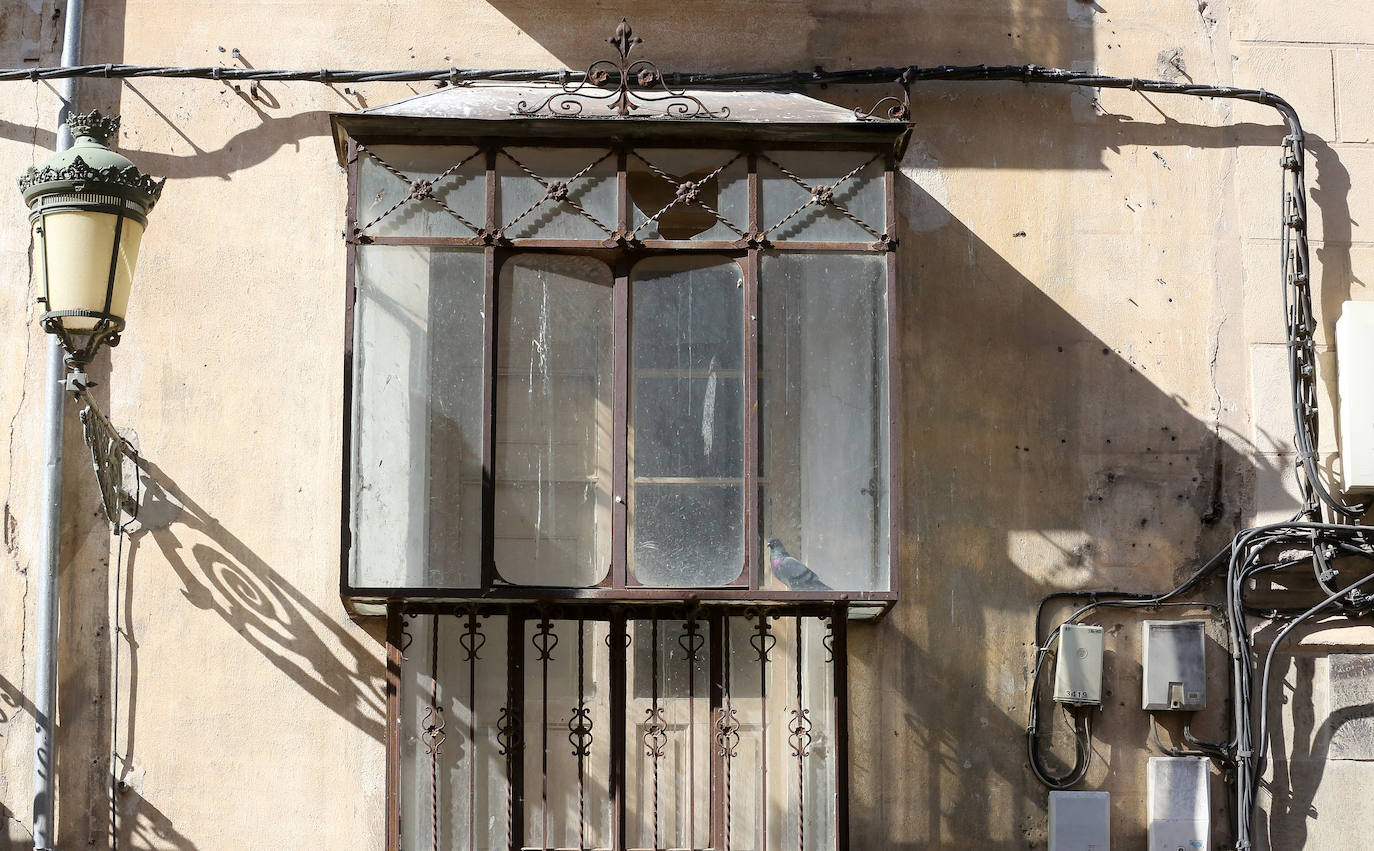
1080,821
1355,387
1078,668
1179,802
1173,654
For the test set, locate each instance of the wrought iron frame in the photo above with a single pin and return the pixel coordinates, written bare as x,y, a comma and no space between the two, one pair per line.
620,250
721,720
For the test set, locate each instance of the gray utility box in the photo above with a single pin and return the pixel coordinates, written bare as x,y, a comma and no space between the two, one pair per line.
1173,654
1179,803
1080,821
1078,667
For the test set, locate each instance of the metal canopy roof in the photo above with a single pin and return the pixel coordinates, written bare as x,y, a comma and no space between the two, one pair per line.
692,116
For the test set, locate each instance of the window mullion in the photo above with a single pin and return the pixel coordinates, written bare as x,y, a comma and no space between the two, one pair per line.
751,419
894,378
751,387
620,373
622,195
490,268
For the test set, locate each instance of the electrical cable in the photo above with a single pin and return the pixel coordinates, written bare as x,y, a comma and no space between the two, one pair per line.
1166,749
1241,558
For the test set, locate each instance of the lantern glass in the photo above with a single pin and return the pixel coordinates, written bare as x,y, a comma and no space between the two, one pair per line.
73,250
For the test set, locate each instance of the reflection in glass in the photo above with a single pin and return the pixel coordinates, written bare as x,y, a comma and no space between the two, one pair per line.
417,436
687,421
824,428
553,421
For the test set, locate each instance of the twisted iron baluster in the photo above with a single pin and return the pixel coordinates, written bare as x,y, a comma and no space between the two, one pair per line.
800,740
763,641
433,735
472,640
727,730
509,739
655,735
691,641
544,641
580,737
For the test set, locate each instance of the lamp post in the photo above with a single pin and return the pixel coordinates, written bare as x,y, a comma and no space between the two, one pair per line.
88,209
88,206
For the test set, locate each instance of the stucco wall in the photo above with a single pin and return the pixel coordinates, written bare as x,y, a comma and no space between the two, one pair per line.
1092,364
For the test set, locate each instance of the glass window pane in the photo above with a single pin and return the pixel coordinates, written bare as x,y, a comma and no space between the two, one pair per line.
824,441
656,212
462,188
862,195
687,421
417,436
587,178
553,421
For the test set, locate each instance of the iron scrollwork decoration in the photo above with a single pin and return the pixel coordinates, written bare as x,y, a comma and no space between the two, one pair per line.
727,732
509,735
580,727
763,640
624,86
108,448
472,639
893,107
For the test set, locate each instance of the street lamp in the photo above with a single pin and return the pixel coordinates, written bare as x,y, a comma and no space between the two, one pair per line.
88,207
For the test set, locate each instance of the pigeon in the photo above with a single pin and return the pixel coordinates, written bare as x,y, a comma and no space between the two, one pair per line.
792,572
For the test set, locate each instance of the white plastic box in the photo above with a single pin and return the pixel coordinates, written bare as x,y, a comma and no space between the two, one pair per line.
1078,667
1355,386
1179,803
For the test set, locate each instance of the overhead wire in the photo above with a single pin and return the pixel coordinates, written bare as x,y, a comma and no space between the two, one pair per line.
1240,558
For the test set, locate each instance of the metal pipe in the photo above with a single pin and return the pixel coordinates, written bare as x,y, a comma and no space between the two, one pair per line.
50,545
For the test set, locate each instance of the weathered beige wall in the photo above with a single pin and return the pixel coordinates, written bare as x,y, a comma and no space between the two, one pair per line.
1091,357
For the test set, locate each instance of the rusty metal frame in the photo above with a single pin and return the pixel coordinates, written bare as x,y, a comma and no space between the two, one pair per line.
620,254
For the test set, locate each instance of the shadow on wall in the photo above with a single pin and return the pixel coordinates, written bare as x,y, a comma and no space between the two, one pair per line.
734,35
223,577
227,579
142,825
1027,441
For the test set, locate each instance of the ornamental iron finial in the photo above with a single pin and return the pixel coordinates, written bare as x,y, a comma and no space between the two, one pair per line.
624,86
624,39
94,125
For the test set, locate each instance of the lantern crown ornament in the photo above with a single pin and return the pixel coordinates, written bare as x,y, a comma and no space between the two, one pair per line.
89,166
88,206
